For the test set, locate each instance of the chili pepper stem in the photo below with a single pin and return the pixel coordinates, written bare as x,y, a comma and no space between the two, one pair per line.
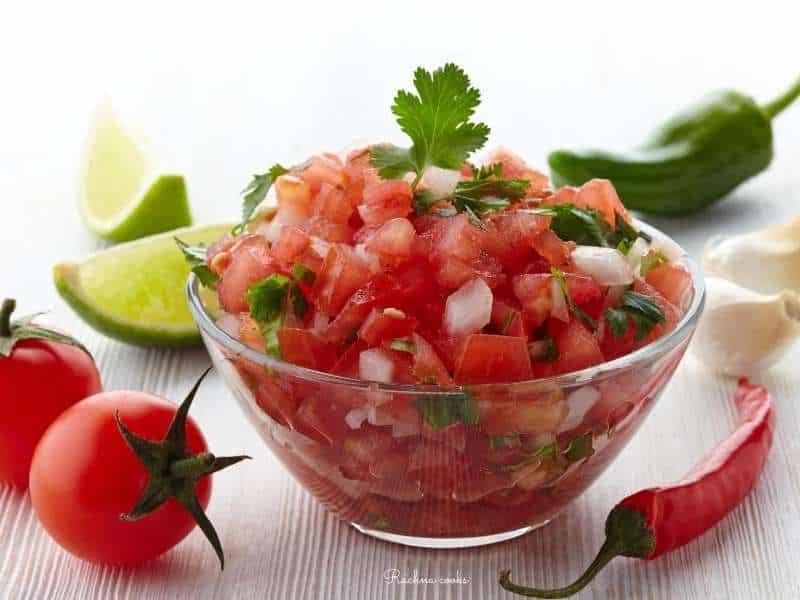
774,108
5,316
608,551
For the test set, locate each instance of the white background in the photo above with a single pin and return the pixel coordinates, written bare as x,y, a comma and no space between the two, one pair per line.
225,90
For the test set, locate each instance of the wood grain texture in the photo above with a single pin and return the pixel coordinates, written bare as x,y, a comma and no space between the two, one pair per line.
206,106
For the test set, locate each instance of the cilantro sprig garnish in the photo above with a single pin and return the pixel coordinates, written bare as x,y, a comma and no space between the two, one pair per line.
640,309
578,448
576,310
255,192
442,411
587,227
651,260
196,257
437,119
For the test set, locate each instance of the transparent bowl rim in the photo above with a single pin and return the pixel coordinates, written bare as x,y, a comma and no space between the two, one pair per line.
597,372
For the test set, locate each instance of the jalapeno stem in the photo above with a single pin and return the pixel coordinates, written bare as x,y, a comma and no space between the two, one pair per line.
5,316
773,109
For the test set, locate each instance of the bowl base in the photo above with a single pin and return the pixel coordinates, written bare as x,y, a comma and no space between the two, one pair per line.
447,543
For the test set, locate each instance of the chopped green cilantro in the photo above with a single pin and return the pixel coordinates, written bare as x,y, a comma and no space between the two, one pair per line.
300,272
440,411
548,452
196,257
255,192
643,311
402,345
579,447
587,227
437,119
505,440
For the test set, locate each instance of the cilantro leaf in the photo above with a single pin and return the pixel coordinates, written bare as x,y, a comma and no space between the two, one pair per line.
402,345
544,350
196,257
504,440
587,227
266,300
266,297
576,310
256,191
442,411
487,191
437,119
579,447
548,452
643,311
300,272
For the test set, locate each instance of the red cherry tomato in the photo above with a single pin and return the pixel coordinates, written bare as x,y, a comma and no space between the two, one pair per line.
84,476
39,379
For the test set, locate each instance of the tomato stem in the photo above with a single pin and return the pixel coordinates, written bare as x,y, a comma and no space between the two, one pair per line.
5,316
193,466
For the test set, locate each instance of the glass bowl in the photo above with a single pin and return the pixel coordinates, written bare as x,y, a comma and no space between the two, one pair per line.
529,448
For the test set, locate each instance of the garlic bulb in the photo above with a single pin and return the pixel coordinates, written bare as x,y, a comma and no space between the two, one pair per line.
766,261
741,331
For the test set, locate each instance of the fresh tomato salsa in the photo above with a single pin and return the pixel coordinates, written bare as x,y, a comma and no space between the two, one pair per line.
469,284
355,276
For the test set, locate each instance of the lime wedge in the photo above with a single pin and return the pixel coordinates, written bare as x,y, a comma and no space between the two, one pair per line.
134,292
122,195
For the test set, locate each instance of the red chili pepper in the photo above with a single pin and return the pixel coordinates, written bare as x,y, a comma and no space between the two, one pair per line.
656,520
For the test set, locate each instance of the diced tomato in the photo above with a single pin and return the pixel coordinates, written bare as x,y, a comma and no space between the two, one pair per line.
326,230
384,201
331,205
457,237
367,445
552,247
393,240
343,272
291,243
302,347
428,367
510,235
577,349
674,282
386,324
326,169
486,356
601,195
278,403
533,292
454,436
516,168
563,195
451,272
250,333
322,419
347,365
380,291
508,317
538,410
358,173
250,262
293,192
671,313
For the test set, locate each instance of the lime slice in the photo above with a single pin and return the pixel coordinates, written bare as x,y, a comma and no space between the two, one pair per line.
134,292
122,195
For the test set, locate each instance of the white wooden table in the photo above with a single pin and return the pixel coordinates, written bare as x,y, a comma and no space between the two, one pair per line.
226,92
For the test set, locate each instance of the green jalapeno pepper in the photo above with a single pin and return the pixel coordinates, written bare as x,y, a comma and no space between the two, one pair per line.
692,161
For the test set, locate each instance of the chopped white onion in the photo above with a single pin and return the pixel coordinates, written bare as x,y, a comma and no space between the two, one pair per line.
667,247
606,265
579,402
370,259
375,365
442,182
468,309
636,253
559,302
319,322
356,417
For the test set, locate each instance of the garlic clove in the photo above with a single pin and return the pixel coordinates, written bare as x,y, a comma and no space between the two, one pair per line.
766,261
741,331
